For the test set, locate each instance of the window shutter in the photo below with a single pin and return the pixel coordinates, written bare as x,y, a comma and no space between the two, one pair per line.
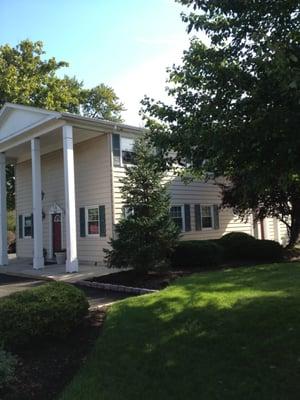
187,217
102,224
216,217
20,226
82,221
116,149
32,230
198,217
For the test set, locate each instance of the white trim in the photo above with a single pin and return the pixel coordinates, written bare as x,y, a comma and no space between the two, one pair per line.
70,199
3,212
212,217
38,256
122,164
86,221
55,209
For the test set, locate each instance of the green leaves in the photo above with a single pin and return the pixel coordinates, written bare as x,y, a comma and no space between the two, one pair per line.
237,102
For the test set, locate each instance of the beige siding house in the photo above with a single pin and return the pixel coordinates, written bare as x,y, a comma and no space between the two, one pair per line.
68,171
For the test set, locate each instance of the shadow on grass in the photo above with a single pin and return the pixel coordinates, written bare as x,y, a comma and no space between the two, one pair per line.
201,339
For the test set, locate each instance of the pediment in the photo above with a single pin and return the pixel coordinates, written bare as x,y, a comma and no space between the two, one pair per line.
15,119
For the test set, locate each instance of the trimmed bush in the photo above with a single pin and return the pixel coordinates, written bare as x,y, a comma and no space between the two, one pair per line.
265,250
235,236
239,246
48,311
8,364
197,253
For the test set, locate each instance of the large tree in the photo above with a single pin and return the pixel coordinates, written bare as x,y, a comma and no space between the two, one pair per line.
28,78
236,110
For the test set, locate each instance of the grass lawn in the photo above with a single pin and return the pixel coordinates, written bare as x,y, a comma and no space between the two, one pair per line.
231,334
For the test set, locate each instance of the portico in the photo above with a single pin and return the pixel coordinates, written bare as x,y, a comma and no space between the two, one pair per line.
28,134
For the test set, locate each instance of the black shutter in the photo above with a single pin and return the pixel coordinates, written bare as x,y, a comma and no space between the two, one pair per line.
32,230
187,217
216,217
20,226
198,223
102,230
82,221
116,149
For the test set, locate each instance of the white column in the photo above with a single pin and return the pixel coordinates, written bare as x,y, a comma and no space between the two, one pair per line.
3,212
38,258
71,231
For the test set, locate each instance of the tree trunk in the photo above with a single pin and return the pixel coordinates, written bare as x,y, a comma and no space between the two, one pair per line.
295,224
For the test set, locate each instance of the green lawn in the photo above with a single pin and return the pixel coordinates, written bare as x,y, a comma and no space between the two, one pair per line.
232,334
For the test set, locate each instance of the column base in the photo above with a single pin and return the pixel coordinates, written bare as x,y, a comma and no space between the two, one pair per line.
38,262
3,260
72,266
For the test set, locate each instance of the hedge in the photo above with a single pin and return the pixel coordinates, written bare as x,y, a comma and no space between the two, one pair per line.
197,253
239,246
48,311
235,246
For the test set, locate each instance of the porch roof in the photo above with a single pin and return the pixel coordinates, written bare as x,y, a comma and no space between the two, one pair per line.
19,124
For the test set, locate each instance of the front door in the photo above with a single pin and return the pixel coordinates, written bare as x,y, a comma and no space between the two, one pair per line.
56,230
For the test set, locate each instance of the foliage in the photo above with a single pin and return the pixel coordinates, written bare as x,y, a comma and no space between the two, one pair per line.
11,221
239,246
236,111
8,363
28,78
49,311
146,238
232,334
102,102
197,254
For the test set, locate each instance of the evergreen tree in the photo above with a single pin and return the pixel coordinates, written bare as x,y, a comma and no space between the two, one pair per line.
146,235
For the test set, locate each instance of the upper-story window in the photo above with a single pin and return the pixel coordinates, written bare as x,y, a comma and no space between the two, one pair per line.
127,150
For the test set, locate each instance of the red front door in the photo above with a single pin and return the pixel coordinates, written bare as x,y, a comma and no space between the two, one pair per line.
56,229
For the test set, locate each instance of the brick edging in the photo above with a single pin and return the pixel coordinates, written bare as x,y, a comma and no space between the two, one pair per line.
115,288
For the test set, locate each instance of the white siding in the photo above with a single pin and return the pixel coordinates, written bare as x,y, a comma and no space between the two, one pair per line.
92,185
193,193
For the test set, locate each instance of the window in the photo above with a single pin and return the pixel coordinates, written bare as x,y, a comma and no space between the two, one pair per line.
92,221
207,217
27,226
177,216
127,150
127,212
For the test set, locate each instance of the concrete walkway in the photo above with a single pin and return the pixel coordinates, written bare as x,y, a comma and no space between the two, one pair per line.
24,268
96,297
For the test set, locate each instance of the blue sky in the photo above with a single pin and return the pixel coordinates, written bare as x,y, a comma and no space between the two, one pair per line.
124,43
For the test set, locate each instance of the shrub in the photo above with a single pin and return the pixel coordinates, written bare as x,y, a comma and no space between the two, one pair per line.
51,310
197,253
233,236
8,364
243,247
265,250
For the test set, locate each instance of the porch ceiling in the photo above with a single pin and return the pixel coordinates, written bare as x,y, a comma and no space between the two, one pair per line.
50,141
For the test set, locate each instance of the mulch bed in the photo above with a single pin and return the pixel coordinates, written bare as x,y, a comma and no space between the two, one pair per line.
150,280
45,369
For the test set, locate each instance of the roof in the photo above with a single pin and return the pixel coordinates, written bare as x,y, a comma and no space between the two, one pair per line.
48,114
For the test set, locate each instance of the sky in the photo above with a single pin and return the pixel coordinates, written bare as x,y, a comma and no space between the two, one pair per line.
126,44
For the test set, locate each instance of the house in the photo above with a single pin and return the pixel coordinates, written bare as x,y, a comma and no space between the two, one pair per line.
67,171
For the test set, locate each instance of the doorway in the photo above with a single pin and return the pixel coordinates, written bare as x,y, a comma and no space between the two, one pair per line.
56,232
